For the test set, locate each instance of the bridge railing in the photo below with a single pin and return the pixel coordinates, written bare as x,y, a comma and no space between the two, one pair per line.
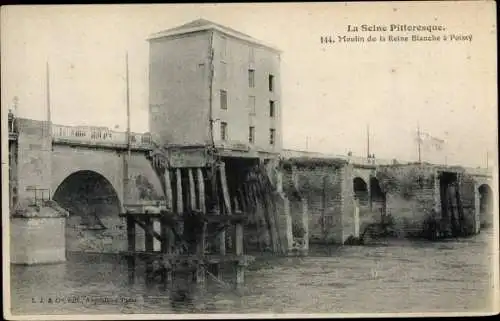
98,136
479,171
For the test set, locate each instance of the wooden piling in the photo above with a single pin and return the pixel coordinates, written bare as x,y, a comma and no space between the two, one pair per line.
225,191
168,189
164,235
148,244
242,204
221,216
170,205
178,180
226,208
131,248
227,200
200,271
240,271
166,247
201,190
192,190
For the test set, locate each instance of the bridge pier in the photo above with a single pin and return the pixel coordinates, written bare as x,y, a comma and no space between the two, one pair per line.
37,224
37,235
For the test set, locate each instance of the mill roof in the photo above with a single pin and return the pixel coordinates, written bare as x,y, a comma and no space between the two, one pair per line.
204,24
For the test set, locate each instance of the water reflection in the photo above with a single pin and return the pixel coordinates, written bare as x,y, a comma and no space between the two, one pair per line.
398,276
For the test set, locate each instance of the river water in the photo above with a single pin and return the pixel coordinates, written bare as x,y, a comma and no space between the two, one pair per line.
399,276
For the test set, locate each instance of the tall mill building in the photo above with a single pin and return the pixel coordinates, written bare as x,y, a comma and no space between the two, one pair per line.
237,107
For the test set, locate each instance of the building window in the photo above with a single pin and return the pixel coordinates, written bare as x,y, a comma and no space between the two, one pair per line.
272,108
251,135
251,105
251,78
223,99
272,136
223,131
271,83
223,47
251,54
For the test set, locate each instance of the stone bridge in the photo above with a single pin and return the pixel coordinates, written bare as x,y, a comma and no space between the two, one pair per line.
332,187
60,160
83,170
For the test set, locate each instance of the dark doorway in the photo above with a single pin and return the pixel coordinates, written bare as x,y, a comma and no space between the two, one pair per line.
377,196
485,205
452,221
360,191
237,170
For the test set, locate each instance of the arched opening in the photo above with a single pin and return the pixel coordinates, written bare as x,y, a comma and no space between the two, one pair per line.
360,191
377,196
485,205
93,224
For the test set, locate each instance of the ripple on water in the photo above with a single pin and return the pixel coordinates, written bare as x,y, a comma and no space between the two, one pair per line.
447,276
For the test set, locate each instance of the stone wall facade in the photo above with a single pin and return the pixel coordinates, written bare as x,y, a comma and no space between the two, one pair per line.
413,195
37,234
326,189
34,151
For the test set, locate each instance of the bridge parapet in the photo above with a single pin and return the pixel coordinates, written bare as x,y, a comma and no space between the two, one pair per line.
101,136
486,172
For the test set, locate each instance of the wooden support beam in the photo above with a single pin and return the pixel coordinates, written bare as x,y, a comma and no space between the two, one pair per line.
157,244
166,247
131,233
180,258
201,190
164,233
192,190
200,269
131,248
237,208
215,270
168,189
227,200
202,209
148,229
240,271
149,245
225,191
171,218
242,200
178,179
239,239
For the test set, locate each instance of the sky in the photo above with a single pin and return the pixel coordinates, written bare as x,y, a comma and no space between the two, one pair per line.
330,92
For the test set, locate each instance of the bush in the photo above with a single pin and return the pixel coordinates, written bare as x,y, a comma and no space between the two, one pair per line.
298,230
351,240
383,228
430,228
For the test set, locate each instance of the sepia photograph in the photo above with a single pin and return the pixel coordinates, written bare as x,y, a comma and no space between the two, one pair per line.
300,160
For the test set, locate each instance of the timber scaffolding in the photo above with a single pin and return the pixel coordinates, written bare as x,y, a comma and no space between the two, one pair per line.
192,238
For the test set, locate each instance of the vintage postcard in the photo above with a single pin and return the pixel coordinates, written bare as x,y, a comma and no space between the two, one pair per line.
249,160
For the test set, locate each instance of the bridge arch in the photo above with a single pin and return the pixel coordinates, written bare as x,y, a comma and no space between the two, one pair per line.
377,196
93,204
485,205
360,189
